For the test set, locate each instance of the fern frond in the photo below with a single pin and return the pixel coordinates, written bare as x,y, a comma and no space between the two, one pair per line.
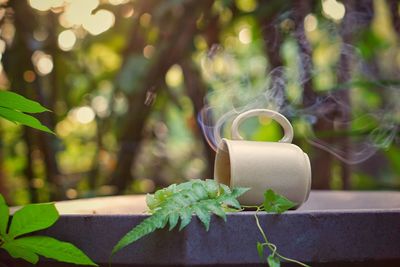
180,202
146,227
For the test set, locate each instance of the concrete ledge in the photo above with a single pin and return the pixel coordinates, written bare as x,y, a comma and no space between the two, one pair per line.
332,227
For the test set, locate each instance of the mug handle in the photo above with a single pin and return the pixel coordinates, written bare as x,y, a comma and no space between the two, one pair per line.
287,127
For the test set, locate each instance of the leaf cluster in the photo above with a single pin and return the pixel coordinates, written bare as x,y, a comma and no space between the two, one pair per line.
180,202
31,218
13,107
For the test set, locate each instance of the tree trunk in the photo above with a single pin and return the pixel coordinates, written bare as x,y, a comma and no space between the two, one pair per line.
394,11
343,116
197,90
321,160
177,37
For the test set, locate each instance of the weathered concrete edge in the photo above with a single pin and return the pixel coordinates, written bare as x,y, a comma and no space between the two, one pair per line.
309,236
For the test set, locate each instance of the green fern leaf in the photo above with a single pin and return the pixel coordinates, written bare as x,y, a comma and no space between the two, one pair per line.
180,202
173,220
229,201
186,216
212,188
147,226
203,214
200,190
238,191
216,209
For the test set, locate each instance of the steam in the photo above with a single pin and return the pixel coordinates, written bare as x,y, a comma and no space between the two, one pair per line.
361,110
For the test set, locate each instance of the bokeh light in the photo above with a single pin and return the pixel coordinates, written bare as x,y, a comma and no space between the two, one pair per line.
145,20
71,193
128,11
40,35
100,106
246,5
148,51
117,2
42,5
310,23
66,40
43,62
99,22
76,12
84,114
29,76
333,9
174,77
245,36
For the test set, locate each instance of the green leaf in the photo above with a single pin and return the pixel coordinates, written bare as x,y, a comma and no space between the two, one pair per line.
179,202
15,101
2,200
32,218
203,214
273,261
173,220
53,249
232,202
276,203
212,188
151,201
260,250
186,217
4,216
225,189
22,118
200,191
238,191
183,200
216,209
147,226
228,196
17,251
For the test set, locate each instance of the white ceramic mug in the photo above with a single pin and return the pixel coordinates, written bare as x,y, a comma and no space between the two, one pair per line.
280,166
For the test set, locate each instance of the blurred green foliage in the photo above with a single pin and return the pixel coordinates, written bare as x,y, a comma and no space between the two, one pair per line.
117,74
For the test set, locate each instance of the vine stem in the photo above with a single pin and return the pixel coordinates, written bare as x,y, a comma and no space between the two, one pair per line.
252,207
272,247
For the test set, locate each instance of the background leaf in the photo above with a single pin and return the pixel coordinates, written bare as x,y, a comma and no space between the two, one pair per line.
32,218
22,118
18,102
17,251
53,248
4,216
